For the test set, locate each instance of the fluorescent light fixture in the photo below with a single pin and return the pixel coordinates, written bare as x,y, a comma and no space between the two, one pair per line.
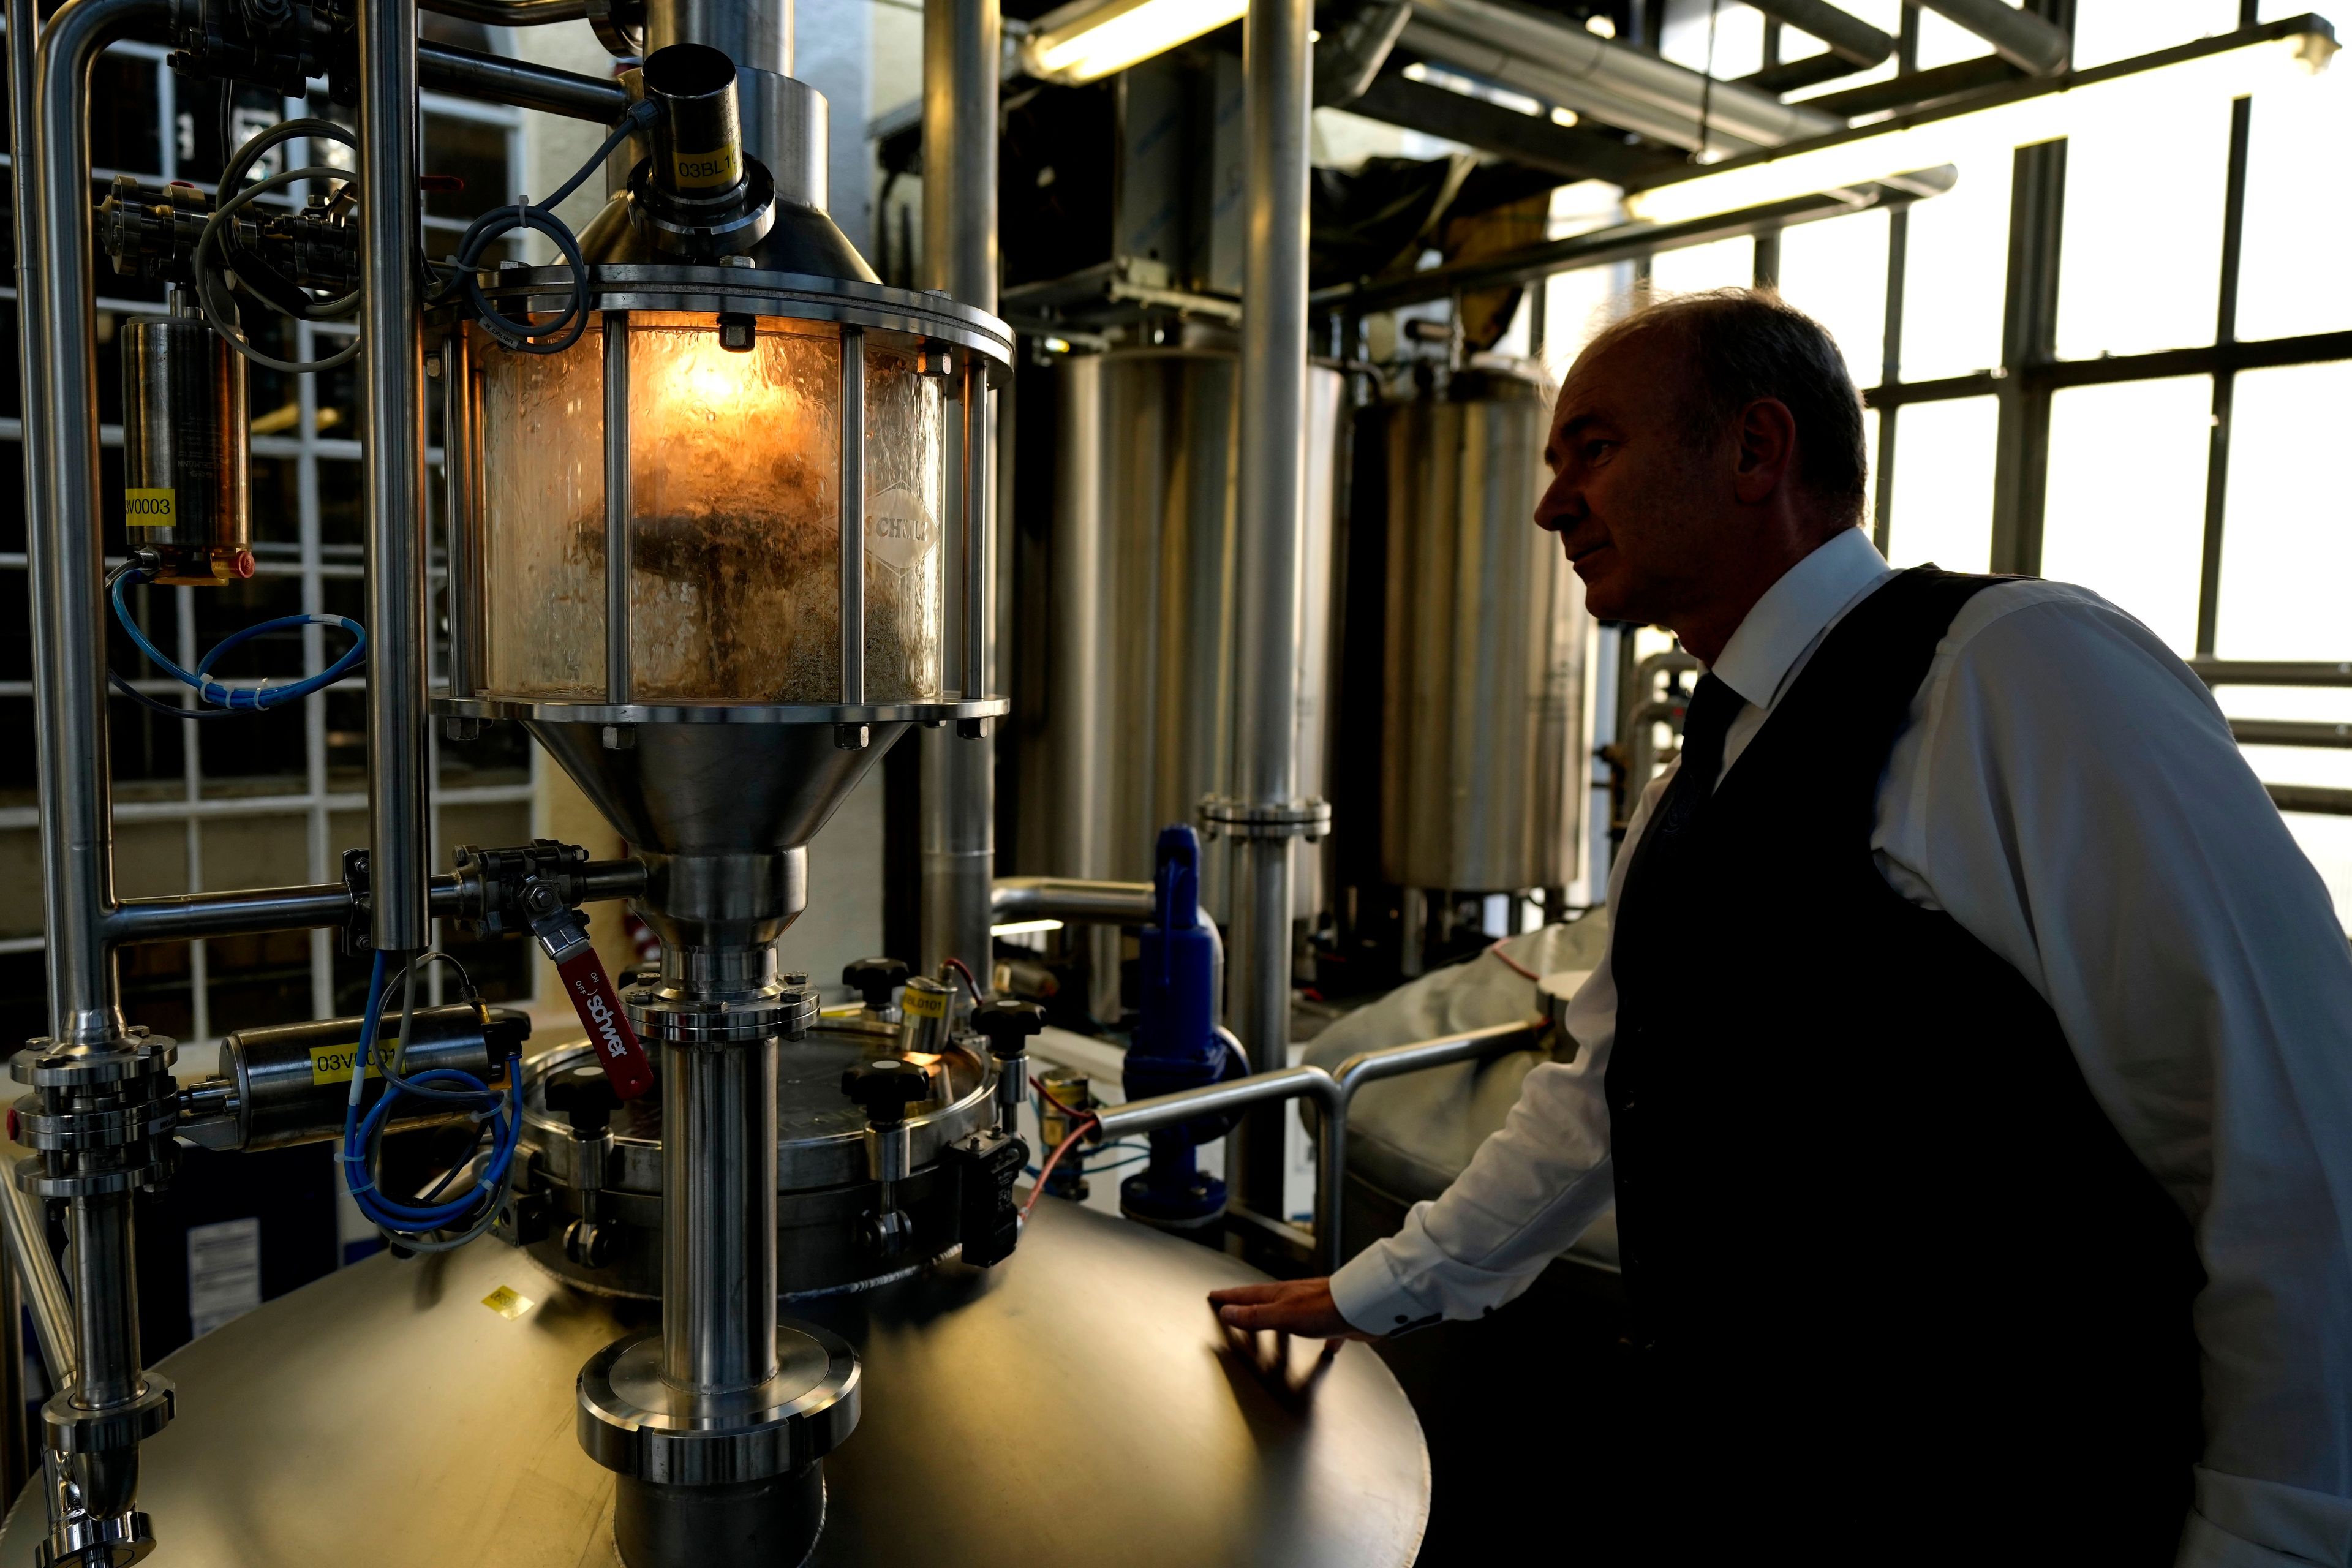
1024,927
2270,58
1091,38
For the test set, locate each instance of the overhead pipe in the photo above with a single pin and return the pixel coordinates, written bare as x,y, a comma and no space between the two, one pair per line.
510,13
1849,37
1626,87
2029,42
963,59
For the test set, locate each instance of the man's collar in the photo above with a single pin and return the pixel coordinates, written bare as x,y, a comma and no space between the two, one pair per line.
1795,611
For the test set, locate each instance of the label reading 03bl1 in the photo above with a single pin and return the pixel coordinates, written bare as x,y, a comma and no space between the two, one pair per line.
151,508
713,171
918,1003
332,1064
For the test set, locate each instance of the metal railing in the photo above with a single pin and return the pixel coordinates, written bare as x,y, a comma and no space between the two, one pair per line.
1332,1091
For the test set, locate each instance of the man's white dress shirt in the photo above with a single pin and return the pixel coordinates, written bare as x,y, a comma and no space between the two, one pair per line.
2067,790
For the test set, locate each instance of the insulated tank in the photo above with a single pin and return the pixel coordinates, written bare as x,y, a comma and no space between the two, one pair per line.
1140,698
1482,756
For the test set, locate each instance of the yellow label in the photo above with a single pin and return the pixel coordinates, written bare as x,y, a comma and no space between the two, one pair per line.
151,508
509,1302
920,1003
332,1064
713,171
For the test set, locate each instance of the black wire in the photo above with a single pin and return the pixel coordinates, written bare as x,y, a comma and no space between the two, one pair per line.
555,336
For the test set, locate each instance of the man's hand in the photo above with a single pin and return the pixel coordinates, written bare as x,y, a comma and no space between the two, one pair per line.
1302,1307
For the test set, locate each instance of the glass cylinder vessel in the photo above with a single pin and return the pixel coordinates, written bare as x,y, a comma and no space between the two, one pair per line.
734,472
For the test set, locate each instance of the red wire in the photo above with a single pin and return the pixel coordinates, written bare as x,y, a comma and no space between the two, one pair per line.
1516,966
971,985
1084,1119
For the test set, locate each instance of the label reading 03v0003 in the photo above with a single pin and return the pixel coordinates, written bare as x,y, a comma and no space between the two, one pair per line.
332,1064
151,508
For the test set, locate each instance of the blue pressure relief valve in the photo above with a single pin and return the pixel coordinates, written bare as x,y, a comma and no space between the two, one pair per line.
1178,1044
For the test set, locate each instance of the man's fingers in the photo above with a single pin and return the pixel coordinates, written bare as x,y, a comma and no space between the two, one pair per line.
1272,1315
1272,1290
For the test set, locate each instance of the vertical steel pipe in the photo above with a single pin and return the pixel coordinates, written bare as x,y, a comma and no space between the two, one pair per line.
961,46
392,420
42,1289
1278,79
755,34
617,545
459,457
718,1215
853,515
63,531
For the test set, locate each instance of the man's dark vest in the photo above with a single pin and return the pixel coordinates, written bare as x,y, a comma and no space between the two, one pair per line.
1902,1283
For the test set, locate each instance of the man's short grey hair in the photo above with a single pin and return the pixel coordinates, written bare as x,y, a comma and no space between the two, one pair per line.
1746,344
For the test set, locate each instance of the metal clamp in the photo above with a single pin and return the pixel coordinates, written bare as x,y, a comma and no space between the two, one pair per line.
73,1429
1223,817
633,1422
787,1011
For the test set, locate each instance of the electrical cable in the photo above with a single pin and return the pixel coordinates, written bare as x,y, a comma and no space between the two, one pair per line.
219,242
1513,964
524,336
234,698
970,985
413,1225
1087,1119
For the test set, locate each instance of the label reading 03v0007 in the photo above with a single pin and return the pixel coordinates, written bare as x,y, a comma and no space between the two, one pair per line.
151,508
332,1064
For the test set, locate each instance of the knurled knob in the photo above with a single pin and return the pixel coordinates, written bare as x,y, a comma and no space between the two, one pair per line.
884,1086
583,1096
1008,1026
875,979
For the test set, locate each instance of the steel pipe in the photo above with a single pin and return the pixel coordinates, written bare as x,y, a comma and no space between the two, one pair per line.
1367,1066
718,1216
511,12
2289,732
258,912
42,1287
617,535
392,421
1629,88
63,527
1071,900
1277,70
755,36
2310,798
962,50
1332,1093
2029,42
463,73
2260,672
850,541
1849,37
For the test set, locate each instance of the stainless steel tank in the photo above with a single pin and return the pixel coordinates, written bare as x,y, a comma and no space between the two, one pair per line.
1140,700
1482,766
1075,1403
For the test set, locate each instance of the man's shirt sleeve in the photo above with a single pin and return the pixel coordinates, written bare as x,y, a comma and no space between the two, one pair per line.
1531,1189
2069,791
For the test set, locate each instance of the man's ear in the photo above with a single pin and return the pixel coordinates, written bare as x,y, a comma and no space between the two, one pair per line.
1767,449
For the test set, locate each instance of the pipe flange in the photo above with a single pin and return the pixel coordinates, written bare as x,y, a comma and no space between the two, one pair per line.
689,233
74,1430
97,1540
34,1179
45,1064
1223,817
689,1021
632,1422
112,1129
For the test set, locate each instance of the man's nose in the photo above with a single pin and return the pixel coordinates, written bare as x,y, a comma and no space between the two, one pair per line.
1560,507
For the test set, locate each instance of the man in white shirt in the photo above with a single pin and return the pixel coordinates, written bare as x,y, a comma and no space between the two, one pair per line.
1960,943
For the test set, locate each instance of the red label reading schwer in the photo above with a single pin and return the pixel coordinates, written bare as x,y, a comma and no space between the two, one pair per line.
617,1050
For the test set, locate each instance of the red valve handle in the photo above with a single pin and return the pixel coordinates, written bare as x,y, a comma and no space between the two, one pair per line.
617,1050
